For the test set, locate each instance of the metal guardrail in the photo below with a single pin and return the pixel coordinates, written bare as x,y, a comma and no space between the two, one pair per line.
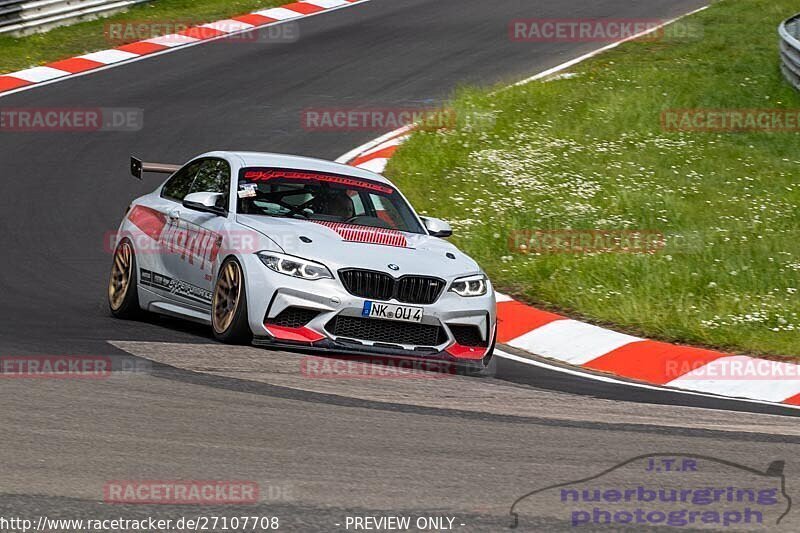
21,17
789,31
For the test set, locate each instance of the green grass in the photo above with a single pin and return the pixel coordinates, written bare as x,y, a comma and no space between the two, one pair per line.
588,152
68,41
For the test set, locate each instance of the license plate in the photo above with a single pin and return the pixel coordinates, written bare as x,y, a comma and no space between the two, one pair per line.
404,313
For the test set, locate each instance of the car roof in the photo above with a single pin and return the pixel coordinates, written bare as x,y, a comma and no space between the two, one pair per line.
265,159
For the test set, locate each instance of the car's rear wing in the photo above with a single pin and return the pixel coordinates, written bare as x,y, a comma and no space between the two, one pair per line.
138,167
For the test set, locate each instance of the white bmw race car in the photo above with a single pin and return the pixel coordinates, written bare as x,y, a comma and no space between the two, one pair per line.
297,252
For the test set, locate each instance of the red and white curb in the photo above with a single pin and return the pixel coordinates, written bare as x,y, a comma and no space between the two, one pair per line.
80,65
375,155
598,349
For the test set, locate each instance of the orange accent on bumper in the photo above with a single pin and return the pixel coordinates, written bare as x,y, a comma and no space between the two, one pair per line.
301,334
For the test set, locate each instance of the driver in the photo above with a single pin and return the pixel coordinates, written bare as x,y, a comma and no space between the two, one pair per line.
338,204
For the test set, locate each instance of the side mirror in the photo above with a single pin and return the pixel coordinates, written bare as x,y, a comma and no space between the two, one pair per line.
437,227
205,202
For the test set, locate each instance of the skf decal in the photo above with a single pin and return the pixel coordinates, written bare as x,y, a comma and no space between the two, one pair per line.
149,278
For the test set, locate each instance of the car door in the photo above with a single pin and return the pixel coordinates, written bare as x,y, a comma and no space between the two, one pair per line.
196,237
155,260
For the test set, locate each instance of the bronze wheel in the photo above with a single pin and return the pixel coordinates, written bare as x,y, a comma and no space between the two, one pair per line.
121,273
227,295
123,296
229,318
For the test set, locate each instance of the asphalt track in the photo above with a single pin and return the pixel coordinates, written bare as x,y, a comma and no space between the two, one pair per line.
184,407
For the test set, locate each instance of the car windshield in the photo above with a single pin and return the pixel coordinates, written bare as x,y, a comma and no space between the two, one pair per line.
324,197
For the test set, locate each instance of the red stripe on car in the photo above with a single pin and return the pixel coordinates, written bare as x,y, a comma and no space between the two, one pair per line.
273,173
352,233
467,352
150,221
302,334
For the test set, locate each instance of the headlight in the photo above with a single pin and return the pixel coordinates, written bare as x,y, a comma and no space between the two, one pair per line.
294,266
470,286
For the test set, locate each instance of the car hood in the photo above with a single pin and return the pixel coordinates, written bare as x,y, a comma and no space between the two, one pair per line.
422,254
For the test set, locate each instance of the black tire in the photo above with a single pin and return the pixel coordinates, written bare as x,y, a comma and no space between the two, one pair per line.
124,302
237,331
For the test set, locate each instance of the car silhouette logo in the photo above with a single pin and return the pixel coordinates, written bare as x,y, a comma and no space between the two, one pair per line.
393,266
